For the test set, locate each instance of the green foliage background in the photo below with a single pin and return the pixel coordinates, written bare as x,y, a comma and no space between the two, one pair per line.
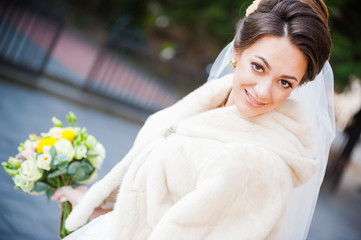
199,29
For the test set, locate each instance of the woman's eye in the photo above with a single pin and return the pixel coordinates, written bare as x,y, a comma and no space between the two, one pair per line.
285,84
257,67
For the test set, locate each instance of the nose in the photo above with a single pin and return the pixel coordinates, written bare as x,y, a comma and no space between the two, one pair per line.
263,88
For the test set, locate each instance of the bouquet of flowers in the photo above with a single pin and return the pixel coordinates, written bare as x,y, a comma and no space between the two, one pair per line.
63,156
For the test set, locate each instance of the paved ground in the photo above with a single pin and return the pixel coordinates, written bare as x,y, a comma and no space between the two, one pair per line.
25,110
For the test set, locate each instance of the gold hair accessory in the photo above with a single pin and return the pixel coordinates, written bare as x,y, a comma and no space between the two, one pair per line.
253,7
233,62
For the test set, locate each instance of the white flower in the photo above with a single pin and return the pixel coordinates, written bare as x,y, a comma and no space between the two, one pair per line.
46,149
23,183
55,132
65,146
28,153
91,141
34,145
29,171
43,161
253,7
98,160
80,152
77,131
27,144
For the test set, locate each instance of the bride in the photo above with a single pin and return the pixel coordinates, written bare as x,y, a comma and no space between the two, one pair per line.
237,158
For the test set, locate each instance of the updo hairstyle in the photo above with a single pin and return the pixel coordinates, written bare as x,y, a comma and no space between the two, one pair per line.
303,22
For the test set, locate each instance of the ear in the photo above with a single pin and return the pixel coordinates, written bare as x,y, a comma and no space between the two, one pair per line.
235,53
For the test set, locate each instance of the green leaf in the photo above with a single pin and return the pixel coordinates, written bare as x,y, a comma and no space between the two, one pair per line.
80,170
40,187
60,159
63,165
92,153
80,174
52,182
88,167
73,167
49,192
53,152
57,173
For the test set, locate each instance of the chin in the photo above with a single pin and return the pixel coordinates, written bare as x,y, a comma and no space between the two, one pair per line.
246,112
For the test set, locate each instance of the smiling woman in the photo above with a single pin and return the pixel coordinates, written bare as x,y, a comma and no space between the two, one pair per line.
201,169
266,74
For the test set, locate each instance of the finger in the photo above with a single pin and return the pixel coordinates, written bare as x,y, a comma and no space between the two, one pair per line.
82,189
61,193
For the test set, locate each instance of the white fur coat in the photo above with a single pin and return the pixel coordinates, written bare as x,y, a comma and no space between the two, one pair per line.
201,172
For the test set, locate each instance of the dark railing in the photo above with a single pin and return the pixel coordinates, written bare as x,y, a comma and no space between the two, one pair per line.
125,68
118,79
22,25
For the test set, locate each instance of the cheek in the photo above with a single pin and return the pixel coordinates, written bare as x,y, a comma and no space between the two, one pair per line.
241,76
280,97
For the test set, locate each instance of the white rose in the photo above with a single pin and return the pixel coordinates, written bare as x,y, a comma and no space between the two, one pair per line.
98,160
24,184
27,144
55,132
29,171
46,149
80,152
91,141
65,146
253,7
43,161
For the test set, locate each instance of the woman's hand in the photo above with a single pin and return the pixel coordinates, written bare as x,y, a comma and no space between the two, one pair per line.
74,195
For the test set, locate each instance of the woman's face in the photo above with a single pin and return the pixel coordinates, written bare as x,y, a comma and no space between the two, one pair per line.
266,74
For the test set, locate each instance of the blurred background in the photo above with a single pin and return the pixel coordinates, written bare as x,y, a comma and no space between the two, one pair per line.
114,62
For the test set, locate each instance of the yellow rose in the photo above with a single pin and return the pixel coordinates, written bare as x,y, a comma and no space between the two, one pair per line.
46,142
68,134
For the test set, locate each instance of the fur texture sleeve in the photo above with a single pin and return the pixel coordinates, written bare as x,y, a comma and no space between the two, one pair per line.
241,194
98,193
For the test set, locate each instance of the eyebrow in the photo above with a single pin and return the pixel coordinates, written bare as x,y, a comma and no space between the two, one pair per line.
289,77
269,67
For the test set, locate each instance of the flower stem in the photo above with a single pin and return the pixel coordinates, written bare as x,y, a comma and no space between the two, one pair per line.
71,181
64,182
65,211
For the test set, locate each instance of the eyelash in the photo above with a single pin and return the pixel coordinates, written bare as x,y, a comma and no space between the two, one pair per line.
282,82
289,85
256,65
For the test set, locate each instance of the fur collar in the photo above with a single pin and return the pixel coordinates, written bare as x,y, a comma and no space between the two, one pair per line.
286,130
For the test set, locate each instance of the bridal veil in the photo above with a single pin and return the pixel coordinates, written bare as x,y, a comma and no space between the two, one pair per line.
317,99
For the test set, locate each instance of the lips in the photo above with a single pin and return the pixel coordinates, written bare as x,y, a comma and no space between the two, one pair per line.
253,102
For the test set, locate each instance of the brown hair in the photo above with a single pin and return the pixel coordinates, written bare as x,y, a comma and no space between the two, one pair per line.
303,22
319,7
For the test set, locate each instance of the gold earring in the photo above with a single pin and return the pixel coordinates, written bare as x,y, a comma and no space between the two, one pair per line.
234,62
